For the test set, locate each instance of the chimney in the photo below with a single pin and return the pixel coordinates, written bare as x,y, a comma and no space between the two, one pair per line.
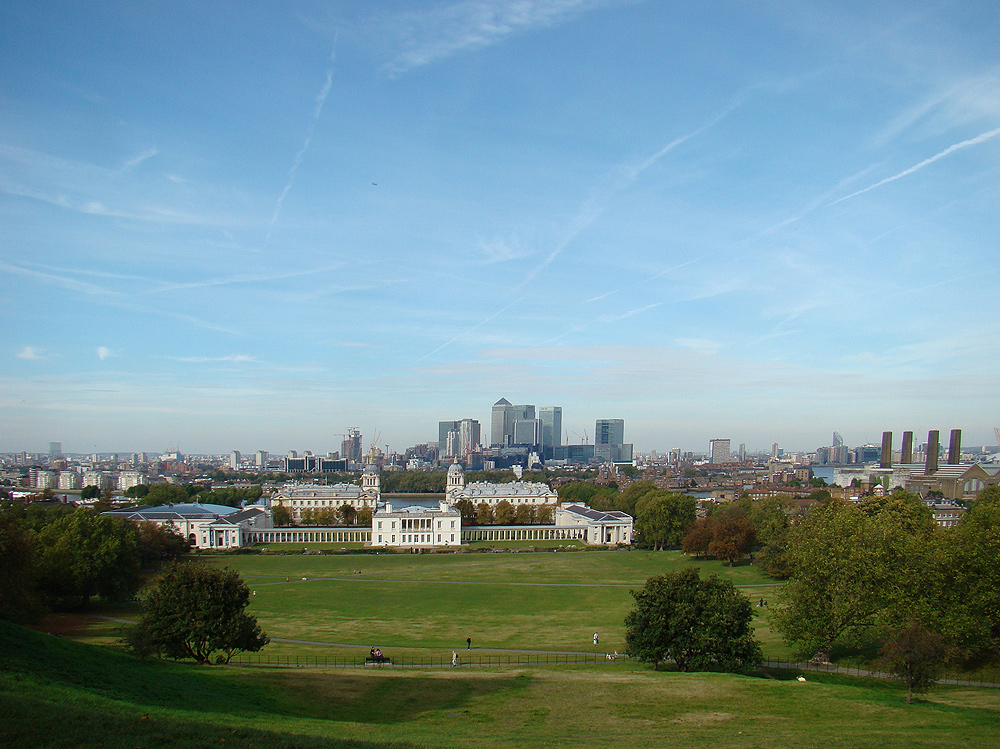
932,452
886,461
907,449
955,447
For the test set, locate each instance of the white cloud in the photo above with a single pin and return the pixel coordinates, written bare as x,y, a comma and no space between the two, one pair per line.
141,157
103,352
30,353
447,31
205,359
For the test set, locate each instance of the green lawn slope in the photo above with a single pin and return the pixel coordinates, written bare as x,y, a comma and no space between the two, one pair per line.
59,693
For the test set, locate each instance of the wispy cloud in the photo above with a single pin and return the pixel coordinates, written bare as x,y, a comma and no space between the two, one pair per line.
29,353
140,157
297,161
926,162
244,279
103,352
444,32
236,358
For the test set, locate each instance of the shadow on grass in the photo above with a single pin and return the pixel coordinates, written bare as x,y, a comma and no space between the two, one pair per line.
369,698
30,722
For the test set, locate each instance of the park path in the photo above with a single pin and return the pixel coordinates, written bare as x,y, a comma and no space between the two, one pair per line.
377,579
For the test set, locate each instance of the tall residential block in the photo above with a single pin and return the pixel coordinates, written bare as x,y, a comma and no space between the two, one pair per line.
719,451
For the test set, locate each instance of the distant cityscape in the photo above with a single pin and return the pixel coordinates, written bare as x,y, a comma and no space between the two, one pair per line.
522,435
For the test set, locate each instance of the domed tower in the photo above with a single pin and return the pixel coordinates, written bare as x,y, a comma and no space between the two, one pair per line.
456,480
371,487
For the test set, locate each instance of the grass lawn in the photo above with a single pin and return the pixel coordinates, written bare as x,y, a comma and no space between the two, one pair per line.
545,601
55,692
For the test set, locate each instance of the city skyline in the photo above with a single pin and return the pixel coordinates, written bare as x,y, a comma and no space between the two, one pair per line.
247,228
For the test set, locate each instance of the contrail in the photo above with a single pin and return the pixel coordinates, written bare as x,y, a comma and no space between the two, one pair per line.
320,101
466,332
950,149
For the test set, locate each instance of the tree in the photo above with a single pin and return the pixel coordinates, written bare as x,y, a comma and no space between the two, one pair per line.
698,537
166,494
631,495
696,623
468,511
158,542
850,564
137,492
348,514
732,535
280,515
18,602
543,515
662,517
193,611
86,554
484,514
504,513
524,515
916,655
363,516
90,492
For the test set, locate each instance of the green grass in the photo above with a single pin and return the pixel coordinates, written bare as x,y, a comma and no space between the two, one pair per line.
56,693
546,601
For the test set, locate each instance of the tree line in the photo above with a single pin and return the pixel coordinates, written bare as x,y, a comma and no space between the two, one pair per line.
58,556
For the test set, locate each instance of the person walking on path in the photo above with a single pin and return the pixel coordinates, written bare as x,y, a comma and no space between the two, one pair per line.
596,638
468,641
454,658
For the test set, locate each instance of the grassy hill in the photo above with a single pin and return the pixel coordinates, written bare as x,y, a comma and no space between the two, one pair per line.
55,692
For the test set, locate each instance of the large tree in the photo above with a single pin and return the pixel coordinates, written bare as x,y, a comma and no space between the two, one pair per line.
18,602
733,535
86,554
699,624
194,611
849,564
661,517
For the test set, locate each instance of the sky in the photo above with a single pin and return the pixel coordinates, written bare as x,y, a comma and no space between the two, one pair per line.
252,225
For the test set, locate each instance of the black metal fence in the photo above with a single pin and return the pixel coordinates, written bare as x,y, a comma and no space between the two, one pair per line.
467,659
464,658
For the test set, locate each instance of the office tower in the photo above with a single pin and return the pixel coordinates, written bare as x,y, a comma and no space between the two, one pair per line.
609,432
444,429
838,441
955,447
743,452
609,441
886,459
260,459
551,418
931,464
350,448
505,415
526,432
774,450
234,460
906,451
55,450
469,435
719,451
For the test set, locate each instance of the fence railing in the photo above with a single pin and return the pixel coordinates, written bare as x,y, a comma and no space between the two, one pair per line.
486,660
464,658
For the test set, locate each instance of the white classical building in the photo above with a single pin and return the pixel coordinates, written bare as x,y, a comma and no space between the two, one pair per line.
479,492
612,528
205,526
418,527
298,497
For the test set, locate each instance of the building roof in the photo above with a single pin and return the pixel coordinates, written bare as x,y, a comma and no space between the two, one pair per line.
184,510
513,489
613,516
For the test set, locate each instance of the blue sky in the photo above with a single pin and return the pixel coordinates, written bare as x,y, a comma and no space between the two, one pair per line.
239,225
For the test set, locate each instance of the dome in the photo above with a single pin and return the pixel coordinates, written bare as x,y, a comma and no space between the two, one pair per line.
454,468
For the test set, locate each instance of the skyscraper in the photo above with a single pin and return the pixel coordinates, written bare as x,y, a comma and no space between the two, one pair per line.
719,451
551,419
609,441
505,416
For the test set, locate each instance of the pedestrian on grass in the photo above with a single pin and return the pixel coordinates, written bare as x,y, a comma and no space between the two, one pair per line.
468,641
596,638
454,658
